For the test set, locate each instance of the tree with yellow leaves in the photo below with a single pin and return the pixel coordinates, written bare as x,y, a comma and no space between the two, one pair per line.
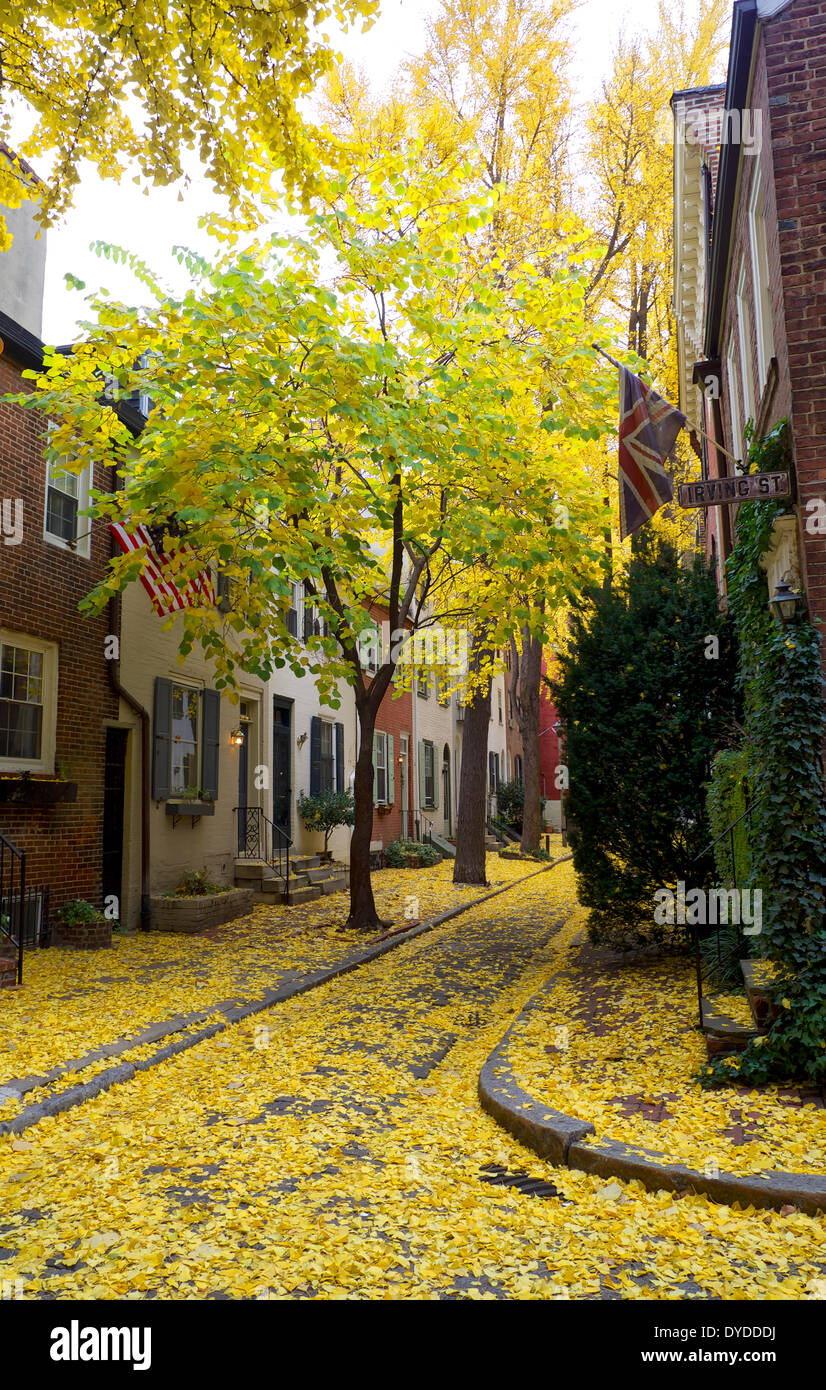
146,82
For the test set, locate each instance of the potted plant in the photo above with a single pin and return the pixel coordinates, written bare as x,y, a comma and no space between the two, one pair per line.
81,926
324,812
192,801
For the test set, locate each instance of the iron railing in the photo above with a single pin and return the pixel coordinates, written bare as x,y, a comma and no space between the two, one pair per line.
260,838
12,897
729,830
423,827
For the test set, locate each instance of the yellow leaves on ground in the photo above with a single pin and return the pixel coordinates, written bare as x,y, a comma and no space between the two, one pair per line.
74,1001
647,1048
347,1165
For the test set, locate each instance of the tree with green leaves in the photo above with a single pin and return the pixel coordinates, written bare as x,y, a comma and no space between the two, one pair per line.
360,409
645,687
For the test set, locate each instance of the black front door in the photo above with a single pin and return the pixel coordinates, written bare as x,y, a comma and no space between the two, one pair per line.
114,785
281,763
243,767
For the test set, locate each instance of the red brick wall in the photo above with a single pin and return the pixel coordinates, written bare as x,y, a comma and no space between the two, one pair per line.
40,588
794,57
548,740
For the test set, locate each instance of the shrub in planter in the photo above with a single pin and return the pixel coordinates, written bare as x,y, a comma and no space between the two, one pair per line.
196,884
400,853
82,926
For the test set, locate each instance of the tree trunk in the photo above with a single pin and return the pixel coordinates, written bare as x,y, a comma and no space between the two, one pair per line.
363,915
469,866
527,712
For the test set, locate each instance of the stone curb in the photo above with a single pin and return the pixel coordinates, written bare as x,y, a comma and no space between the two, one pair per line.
558,1138
232,1013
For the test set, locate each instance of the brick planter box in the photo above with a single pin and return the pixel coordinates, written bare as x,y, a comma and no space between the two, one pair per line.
8,972
83,936
195,914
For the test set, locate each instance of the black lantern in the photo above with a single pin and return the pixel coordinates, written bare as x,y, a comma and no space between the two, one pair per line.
785,602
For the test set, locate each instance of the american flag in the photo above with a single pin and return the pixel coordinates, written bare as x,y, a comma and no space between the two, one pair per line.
647,429
161,588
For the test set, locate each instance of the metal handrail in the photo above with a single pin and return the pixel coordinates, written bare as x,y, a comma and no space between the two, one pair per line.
729,830
421,820
9,855
258,841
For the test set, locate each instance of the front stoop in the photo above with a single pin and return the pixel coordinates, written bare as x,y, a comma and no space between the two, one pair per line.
724,1034
758,992
310,878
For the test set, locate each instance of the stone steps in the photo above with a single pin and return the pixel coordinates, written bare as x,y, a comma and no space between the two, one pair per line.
763,1010
724,1034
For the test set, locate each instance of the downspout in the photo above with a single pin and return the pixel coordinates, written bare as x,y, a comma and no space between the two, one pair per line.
120,690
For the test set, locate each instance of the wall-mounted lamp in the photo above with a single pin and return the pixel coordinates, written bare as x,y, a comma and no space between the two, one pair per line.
237,737
785,602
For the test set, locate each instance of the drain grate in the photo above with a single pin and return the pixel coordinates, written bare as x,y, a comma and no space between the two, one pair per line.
533,1187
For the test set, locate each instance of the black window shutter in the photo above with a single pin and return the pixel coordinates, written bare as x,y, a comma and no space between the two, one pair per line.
162,739
308,625
492,771
210,725
315,757
339,757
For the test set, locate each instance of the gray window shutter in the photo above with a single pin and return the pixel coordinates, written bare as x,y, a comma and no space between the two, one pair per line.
375,774
492,771
391,779
436,778
315,756
211,734
339,757
421,765
162,739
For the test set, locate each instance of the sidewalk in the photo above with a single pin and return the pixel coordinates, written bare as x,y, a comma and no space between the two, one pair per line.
93,1019
598,1072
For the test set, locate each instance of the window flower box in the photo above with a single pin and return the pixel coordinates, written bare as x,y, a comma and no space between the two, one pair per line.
22,789
190,808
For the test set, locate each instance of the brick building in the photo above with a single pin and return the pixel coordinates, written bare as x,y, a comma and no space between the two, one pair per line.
393,759
750,227
55,693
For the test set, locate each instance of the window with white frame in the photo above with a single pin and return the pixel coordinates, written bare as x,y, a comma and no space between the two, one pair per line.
499,703
744,340
294,609
380,762
186,739
760,280
429,775
67,495
28,703
735,420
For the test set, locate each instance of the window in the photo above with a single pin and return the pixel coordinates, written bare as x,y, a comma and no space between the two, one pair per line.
380,761
760,280
292,614
517,768
744,337
370,648
499,702
186,733
67,494
735,422
493,772
429,775
443,691
326,756
423,685
28,703
314,624
186,742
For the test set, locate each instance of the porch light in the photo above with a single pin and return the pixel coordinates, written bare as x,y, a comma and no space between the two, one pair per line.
237,737
784,602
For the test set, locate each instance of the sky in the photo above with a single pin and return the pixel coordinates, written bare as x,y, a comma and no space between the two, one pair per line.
151,226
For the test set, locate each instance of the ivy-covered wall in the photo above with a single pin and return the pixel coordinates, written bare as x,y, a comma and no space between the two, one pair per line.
782,683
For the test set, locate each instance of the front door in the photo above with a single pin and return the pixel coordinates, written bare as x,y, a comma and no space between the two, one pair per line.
114,785
243,773
403,760
446,787
281,763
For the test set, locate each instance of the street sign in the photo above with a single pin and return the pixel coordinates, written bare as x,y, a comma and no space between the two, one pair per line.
746,487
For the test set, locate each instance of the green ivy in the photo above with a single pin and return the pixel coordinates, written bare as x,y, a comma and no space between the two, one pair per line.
727,797
782,684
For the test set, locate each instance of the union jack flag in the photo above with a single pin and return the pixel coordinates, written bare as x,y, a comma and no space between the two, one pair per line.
161,587
648,427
